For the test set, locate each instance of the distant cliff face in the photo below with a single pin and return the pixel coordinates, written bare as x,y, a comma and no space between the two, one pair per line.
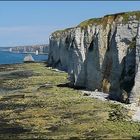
101,54
33,48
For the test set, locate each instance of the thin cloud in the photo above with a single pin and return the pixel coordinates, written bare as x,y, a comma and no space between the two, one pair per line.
25,29
20,35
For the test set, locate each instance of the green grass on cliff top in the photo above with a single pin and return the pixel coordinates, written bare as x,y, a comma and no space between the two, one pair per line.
103,20
30,110
97,21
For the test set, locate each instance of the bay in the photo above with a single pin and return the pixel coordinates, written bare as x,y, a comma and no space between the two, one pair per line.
13,58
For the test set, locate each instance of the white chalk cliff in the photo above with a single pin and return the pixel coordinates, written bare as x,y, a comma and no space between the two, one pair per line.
101,54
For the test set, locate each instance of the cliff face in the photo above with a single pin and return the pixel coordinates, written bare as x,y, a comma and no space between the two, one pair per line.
101,54
33,48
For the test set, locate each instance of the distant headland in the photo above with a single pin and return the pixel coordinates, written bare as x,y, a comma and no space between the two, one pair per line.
41,49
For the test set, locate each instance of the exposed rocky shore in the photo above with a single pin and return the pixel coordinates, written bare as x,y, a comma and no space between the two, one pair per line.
101,54
35,103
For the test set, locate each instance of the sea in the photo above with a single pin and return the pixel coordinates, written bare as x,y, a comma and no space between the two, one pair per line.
14,58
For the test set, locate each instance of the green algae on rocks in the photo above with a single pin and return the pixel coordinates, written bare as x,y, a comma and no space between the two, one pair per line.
36,110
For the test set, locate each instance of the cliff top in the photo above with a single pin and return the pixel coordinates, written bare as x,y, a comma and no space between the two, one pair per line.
126,16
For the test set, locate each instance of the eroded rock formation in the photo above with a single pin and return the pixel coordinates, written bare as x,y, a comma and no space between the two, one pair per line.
101,54
30,49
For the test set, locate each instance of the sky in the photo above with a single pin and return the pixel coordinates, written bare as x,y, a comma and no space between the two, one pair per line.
32,22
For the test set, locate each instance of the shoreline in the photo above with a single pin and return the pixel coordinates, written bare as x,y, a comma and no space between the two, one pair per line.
30,53
18,58
24,52
23,63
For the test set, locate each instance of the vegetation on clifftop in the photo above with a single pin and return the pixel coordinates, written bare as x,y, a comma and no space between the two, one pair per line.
90,22
60,32
108,18
127,15
104,20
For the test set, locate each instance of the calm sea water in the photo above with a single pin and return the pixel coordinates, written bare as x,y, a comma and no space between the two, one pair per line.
12,58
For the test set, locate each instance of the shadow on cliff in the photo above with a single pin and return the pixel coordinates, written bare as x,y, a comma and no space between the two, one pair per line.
113,77
92,65
127,79
111,68
79,83
120,75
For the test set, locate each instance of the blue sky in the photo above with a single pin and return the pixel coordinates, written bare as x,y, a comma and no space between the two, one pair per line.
31,22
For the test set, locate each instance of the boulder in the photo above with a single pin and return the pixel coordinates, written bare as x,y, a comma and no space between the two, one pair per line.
29,59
